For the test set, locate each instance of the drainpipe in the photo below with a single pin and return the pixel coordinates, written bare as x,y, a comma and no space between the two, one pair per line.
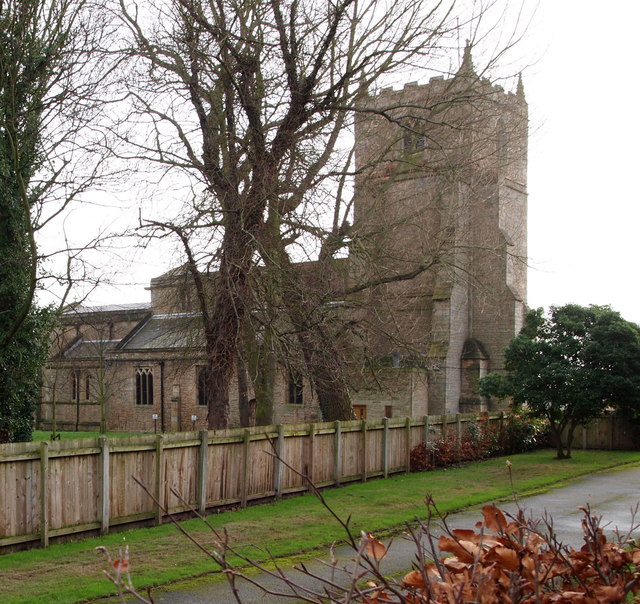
162,413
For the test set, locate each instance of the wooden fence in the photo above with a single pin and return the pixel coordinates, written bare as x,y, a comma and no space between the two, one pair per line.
608,432
49,490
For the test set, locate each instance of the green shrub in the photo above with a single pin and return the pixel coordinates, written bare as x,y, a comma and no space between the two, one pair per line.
481,440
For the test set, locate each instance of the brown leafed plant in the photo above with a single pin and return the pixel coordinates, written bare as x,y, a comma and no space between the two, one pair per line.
504,559
512,560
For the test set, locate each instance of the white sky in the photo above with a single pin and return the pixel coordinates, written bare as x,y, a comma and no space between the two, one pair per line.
584,206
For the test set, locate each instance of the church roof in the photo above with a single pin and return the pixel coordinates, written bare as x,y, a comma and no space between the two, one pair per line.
108,308
89,349
173,331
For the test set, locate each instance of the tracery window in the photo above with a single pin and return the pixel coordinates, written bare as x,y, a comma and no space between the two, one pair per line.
144,386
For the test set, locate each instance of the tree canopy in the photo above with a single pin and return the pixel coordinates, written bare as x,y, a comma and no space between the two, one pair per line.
251,102
571,365
48,115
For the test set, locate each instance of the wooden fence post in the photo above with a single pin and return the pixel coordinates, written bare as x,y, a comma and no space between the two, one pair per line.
385,448
244,479
104,485
364,450
44,494
159,486
310,463
426,436
337,453
279,465
203,460
407,425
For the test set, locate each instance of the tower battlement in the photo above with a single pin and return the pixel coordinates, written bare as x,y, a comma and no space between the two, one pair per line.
441,182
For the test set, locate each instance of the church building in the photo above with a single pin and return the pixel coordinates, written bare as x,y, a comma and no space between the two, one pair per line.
435,278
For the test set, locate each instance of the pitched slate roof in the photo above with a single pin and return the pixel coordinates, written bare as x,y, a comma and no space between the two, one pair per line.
174,331
89,349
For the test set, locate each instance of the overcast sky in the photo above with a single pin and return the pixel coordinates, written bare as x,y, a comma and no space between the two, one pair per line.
584,206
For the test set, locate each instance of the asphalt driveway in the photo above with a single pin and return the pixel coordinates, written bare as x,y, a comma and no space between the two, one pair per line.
612,495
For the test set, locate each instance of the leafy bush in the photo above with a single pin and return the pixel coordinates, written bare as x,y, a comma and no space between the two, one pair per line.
481,440
525,433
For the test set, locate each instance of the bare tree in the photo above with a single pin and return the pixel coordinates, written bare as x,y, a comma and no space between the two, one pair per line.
246,103
51,152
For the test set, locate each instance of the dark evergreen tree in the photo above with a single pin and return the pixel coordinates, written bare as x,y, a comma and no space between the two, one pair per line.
48,81
571,366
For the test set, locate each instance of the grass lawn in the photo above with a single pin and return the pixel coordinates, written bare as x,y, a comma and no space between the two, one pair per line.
73,572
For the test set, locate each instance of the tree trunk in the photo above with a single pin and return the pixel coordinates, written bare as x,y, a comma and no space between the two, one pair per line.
563,446
325,363
224,327
570,431
265,385
325,368
556,437
243,392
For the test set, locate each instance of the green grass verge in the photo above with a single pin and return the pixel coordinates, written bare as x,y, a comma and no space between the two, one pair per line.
73,572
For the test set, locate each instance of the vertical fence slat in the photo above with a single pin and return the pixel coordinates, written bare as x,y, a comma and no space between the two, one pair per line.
203,457
279,466
613,432
337,453
159,486
364,450
44,494
311,461
244,478
407,425
105,487
385,448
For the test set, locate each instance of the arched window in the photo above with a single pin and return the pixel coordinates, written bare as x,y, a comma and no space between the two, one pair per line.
144,386
296,388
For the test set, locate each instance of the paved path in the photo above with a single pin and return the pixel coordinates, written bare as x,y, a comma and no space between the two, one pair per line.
611,495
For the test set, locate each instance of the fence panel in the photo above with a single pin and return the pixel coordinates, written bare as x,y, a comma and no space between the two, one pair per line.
51,489
351,464
375,450
397,450
261,461
323,470
20,497
225,470
126,498
609,432
181,477
73,490
294,455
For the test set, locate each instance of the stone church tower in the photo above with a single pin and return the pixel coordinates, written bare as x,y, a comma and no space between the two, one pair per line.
440,226
432,291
